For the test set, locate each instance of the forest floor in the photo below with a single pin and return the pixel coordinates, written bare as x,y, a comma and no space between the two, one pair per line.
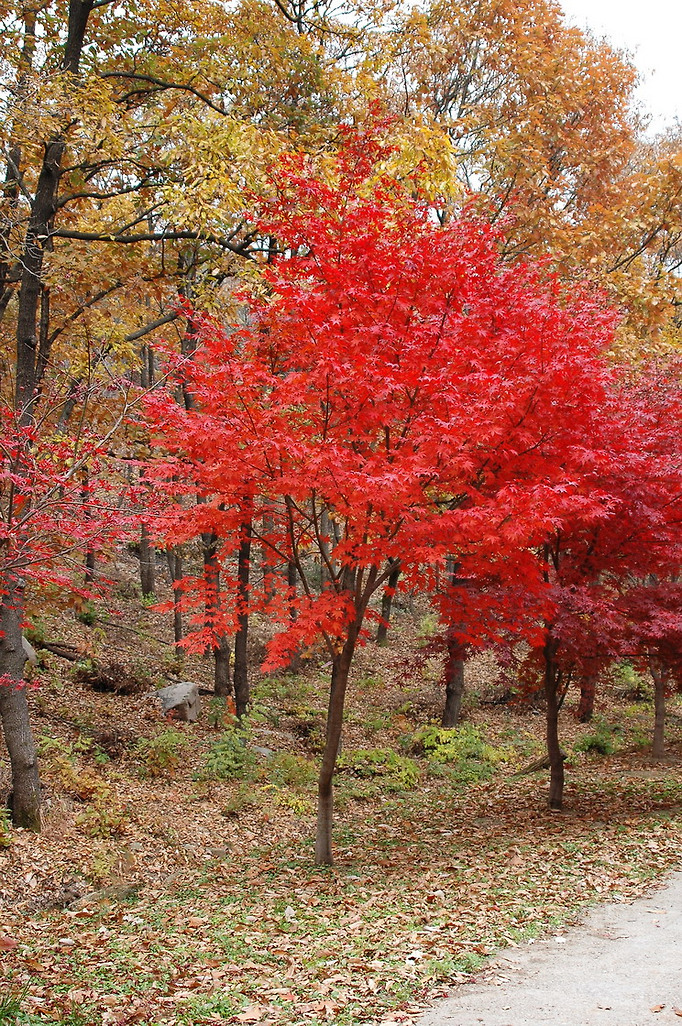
174,880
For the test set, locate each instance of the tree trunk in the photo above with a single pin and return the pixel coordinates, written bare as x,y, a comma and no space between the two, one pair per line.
14,713
295,661
38,233
147,563
266,559
89,551
176,570
241,677
387,602
222,685
588,691
221,647
454,680
556,756
660,677
337,695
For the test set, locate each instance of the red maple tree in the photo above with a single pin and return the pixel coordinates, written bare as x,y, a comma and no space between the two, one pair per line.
398,398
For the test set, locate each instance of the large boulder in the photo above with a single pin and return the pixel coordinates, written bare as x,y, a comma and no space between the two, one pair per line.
182,700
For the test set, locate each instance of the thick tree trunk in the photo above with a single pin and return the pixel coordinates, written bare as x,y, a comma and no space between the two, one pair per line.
556,756
454,680
588,691
337,696
387,602
16,723
241,677
222,685
660,677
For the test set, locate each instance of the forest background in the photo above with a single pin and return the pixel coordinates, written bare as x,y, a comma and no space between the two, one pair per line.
161,166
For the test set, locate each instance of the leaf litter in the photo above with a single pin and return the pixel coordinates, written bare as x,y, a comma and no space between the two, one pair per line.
202,910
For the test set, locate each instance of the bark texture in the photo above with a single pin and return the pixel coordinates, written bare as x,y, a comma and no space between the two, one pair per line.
454,681
16,724
556,756
241,676
387,603
325,791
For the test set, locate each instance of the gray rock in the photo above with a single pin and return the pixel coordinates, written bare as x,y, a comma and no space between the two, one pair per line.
266,753
29,652
182,700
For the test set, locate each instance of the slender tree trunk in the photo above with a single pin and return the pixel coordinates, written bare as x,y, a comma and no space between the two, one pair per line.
325,548
588,691
221,649
175,568
454,680
89,551
387,602
38,232
147,563
266,560
241,677
147,550
14,713
660,677
295,662
556,756
337,696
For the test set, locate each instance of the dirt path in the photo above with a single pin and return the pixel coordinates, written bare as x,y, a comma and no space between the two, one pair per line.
621,967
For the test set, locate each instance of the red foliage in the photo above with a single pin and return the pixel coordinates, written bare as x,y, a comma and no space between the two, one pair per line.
431,399
54,503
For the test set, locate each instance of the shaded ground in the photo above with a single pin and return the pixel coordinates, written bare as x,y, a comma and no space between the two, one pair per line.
621,967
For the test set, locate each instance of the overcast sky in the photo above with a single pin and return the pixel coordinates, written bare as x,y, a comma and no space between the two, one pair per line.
652,31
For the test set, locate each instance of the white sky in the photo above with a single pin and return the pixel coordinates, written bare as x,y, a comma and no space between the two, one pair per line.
652,31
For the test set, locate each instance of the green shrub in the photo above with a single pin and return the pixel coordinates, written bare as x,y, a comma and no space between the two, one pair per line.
457,744
104,818
288,770
395,772
229,758
459,754
160,756
88,615
600,741
632,683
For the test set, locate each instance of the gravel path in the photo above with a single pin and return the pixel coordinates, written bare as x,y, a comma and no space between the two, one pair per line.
621,967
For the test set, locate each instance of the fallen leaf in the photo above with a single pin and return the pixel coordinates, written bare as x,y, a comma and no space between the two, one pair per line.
8,943
657,1008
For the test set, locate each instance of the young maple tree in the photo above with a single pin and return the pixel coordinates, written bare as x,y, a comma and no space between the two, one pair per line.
397,399
610,566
